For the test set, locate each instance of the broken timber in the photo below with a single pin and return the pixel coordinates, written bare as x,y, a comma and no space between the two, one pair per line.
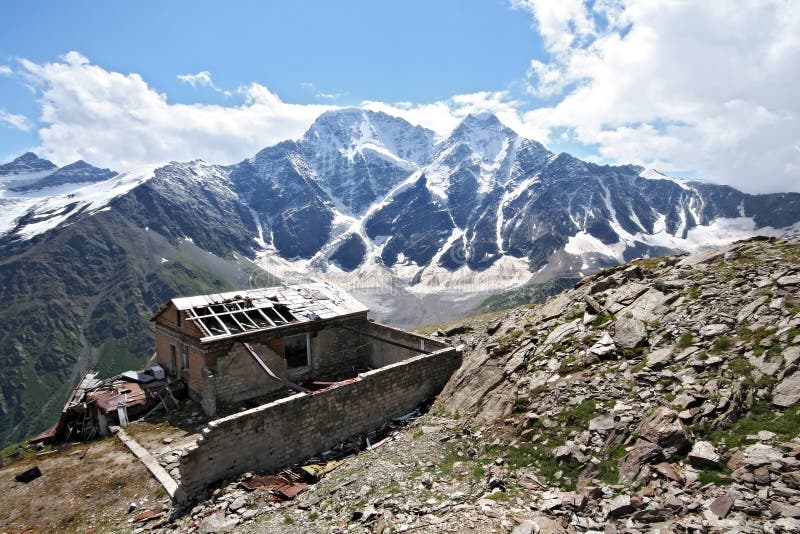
159,473
385,340
265,367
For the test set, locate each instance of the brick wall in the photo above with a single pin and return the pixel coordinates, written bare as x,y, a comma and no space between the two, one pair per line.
293,429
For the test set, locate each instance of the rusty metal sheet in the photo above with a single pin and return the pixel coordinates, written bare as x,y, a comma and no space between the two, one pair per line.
260,482
276,485
47,435
289,490
128,394
147,515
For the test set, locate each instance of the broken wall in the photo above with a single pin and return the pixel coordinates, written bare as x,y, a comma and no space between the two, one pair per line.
380,354
295,428
238,377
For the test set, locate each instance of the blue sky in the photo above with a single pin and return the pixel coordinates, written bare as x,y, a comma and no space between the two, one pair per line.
692,90
416,50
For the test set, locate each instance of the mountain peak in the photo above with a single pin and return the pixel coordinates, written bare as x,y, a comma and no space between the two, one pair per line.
350,130
27,162
483,121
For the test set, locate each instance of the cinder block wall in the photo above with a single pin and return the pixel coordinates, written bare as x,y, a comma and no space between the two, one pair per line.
291,430
380,354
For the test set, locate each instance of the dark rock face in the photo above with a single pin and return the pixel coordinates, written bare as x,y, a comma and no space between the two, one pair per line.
350,253
198,203
417,225
28,162
79,172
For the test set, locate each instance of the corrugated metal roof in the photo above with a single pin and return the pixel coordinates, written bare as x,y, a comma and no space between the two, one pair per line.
230,314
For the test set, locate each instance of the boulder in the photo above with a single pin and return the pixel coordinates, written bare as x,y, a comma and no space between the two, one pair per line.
629,331
760,454
664,428
669,471
604,346
660,358
787,392
602,422
641,454
704,456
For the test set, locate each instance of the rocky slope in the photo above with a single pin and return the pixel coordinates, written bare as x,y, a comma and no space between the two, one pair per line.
658,396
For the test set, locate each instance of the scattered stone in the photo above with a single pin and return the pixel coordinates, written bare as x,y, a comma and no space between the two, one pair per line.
664,428
787,392
792,280
619,506
238,503
602,423
669,471
629,331
604,346
713,330
218,522
704,456
721,506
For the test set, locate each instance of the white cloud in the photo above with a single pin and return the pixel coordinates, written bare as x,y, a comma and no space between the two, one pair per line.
202,79
16,121
5,70
705,88
702,87
318,94
444,115
119,121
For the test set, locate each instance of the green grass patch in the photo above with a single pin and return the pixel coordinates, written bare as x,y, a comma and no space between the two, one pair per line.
713,476
580,415
721,344
686,340
762,416
609,466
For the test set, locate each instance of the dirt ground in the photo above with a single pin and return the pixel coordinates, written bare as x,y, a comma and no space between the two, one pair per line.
78,494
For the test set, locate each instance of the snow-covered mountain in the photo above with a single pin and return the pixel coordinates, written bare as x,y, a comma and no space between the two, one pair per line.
365,192
364,199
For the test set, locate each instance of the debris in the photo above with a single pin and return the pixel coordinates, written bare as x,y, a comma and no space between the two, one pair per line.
317,471
148,515
30,474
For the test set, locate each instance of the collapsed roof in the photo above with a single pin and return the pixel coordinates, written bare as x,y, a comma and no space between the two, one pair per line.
225,315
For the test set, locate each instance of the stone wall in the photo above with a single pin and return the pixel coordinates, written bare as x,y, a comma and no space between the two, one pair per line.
293,429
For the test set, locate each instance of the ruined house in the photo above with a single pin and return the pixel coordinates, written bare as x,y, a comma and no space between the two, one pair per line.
235,347
238,349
